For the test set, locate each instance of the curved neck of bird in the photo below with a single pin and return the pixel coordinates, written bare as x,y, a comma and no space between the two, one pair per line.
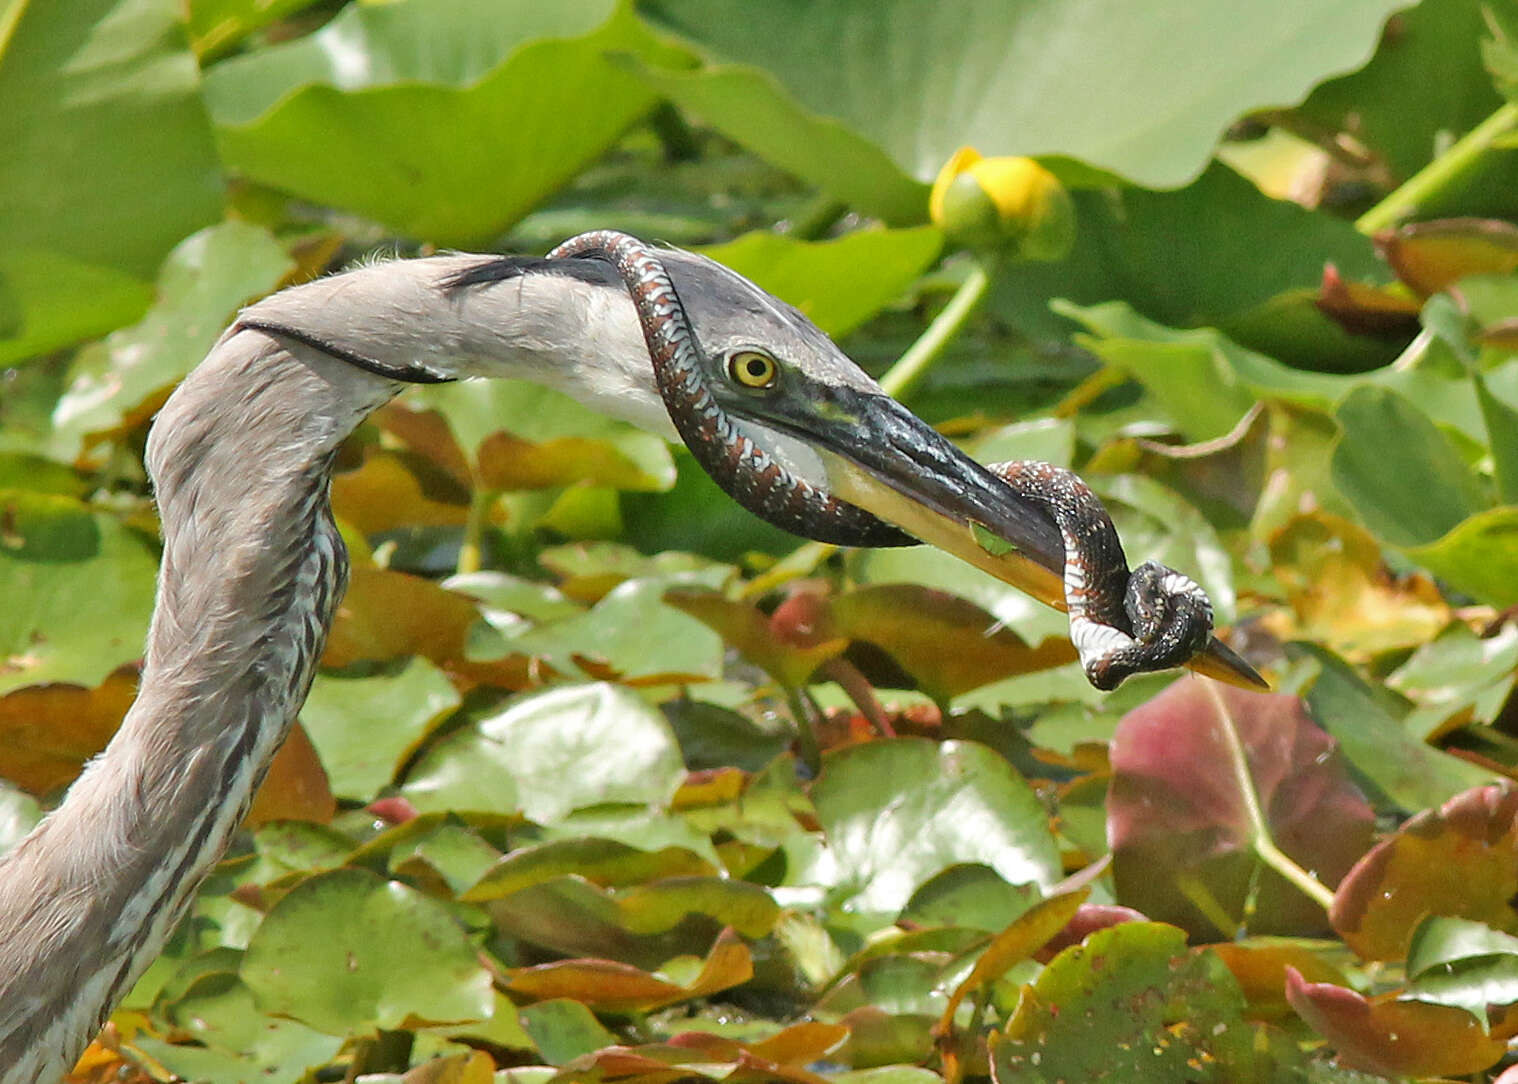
252,568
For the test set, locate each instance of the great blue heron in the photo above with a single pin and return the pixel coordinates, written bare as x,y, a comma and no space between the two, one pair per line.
253,567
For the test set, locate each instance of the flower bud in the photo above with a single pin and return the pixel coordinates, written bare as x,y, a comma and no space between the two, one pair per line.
1011,205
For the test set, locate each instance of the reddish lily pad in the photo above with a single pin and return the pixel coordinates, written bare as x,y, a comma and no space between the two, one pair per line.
1259,966
392,490
752,634
295,787
388,614
1178,822
1460,860
1398,1038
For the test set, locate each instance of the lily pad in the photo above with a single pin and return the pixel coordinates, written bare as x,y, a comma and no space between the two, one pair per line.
1460,861
551,752
121,381
363,727
1398,1038
1179,824
78,587
1129,1003
948,803
347,950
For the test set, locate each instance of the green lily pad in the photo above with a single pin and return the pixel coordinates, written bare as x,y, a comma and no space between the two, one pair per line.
363,727
201,285
600,861
948,803
563,1030
78,588
551,752
1393,767
1454,961
347,950
1131,1004
1404,476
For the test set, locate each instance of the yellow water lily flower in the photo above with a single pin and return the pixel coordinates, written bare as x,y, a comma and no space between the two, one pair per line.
1006,203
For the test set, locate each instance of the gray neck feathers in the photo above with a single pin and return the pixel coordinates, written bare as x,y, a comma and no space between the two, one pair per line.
252,569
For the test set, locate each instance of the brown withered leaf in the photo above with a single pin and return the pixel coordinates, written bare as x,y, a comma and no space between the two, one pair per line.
47,732
391,490
1459,860
295,789
1397,1038
1341,592
1431,256
387,614
1363,309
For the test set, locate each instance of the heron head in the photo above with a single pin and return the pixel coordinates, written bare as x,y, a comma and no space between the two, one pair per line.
797,433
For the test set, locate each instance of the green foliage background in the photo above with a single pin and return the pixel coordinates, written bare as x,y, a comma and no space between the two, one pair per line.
594,783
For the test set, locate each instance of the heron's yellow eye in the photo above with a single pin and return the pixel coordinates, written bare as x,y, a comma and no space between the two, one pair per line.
753,369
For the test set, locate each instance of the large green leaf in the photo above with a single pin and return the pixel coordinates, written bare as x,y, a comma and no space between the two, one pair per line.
1162,251
444,119
1395,768
1479,556
348,950
362,727
78,590
202,283
946,804
552,752
1405,477
750,105
108,162
1125,86
1426,82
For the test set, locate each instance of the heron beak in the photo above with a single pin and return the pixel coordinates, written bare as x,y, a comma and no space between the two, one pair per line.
886,460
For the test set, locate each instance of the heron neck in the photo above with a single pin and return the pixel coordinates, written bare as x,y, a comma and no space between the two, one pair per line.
252,569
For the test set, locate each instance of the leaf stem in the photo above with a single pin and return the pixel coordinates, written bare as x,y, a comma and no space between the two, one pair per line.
1441,172
909,370
806,732
470,547
1260,838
